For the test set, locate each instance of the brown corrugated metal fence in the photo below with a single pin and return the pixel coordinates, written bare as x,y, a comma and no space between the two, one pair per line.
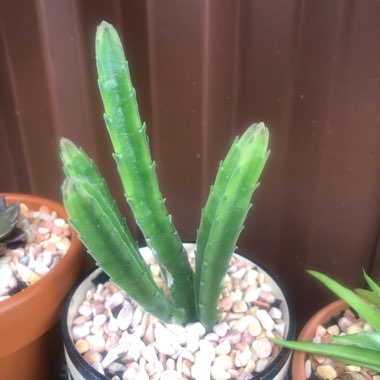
203,71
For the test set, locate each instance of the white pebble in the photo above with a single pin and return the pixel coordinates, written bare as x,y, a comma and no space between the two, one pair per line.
262,347
114,300
97,342
242,358
221,329
195,328
125,316
40,268
223,348
99,320
242,324
279,328
207,349
344,323
265,319
251,277
275,313
149,353
85,309
166,341
239,273
80,331
261,364
60,223
170,374
218,373
251,294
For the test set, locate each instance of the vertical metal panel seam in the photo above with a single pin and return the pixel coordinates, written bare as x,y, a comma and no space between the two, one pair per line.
47,62
151,56
287,114
205,119
12,81
333,74
236,68
88,109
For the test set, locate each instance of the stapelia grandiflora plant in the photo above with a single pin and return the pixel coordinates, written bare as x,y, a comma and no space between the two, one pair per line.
361,349
189,296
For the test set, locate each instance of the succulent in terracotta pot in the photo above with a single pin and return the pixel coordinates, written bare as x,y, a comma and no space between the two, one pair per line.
39,263
360,349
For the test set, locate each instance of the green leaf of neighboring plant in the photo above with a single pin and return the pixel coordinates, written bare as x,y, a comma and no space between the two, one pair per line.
361,357
224,215
365,310
90,216
369,295
137,170
372,284
370,340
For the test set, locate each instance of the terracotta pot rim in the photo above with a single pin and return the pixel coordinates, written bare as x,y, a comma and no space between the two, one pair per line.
307,334
84,368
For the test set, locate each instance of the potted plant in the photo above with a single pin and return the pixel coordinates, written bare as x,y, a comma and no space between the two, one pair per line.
351,340
169,326
40,260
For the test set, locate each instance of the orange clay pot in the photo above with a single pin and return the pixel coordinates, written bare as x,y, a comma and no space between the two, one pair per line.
30,341
307,335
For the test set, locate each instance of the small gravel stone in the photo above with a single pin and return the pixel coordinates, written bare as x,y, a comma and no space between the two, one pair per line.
262,347
221,329
261,364
275,313
265,320
80,331
354,329
96,342
218,373
239,306
125,316
327,372
92,357
170,374
308,368
251,294
242,358
223,348
85,309
344,323
82,346
254,327
333,330
224,362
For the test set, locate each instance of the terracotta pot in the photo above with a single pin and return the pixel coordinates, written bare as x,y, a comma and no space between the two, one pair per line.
307,335
79,369
29,328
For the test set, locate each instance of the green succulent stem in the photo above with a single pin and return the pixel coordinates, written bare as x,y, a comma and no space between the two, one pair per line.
137,170
103,230
224,215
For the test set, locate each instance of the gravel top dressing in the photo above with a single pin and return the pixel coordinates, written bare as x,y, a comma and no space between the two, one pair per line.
47,239
121,341
318,367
